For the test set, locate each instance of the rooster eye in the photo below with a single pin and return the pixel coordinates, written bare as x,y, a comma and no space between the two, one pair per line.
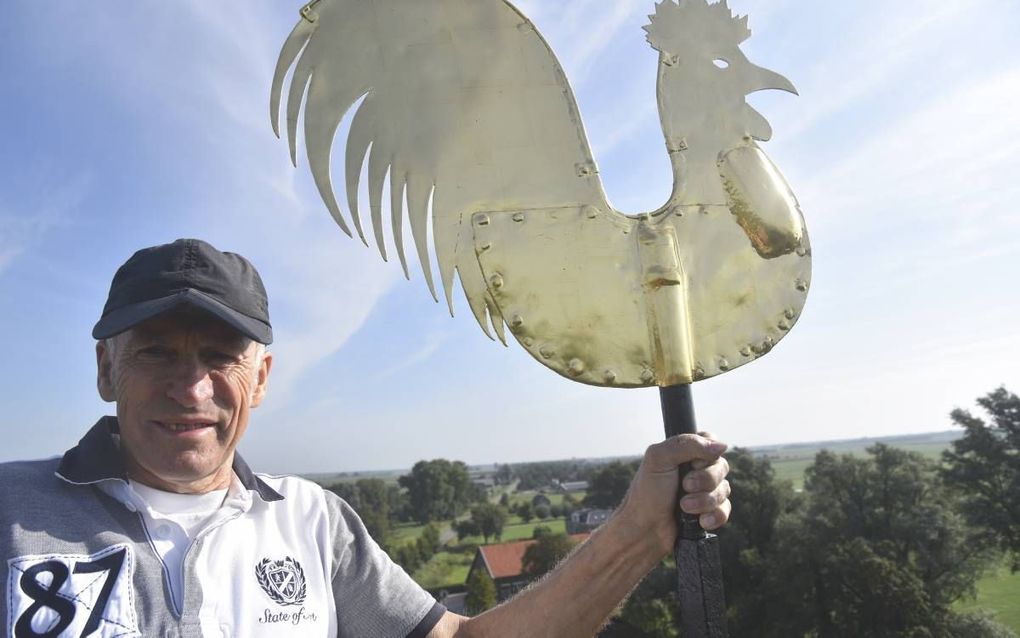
721,63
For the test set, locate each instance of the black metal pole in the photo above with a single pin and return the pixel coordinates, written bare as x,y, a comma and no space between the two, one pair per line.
701,600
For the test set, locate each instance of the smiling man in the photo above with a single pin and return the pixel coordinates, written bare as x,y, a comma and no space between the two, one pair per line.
153,525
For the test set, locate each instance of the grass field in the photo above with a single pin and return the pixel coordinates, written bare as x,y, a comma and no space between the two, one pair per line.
790,461
1000,593
447,568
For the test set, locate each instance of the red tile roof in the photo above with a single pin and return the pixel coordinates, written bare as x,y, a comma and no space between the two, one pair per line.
506,559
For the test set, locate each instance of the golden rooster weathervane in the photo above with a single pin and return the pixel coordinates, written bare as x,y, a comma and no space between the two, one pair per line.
466,109
462,104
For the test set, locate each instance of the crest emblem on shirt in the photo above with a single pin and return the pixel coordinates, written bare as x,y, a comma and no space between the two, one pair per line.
282,580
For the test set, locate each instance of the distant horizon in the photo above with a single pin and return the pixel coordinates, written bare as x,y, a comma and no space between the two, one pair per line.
754,448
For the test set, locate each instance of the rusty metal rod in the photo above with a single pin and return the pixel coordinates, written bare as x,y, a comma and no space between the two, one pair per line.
701,599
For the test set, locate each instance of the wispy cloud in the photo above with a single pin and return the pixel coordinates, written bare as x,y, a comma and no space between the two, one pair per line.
50,202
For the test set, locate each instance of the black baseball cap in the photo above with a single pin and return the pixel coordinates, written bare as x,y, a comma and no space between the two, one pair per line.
187,271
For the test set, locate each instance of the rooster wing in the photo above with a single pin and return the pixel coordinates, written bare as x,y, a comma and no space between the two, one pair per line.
463,104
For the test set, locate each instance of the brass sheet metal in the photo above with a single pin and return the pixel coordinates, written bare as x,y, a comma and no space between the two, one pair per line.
463,108
611,300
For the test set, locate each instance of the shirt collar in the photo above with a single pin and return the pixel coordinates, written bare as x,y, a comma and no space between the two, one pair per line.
97,458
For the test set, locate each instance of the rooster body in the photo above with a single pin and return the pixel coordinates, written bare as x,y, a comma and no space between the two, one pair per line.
466,109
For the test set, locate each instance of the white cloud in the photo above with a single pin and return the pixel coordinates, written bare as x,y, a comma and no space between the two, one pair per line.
51,201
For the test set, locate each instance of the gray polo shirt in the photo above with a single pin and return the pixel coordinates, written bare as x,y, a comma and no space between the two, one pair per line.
284,558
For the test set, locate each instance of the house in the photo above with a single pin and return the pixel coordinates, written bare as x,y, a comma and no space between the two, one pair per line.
586,520
504,562
571,486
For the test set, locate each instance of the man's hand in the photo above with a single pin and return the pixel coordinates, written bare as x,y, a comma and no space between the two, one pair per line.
654,493
576,597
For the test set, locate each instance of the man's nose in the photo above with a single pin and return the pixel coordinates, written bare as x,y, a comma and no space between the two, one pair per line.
190,385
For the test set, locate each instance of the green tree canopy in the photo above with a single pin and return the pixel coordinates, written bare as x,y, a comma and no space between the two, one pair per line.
878,550
376,503
548,550
984,466
609,485
438,490
490,519
481,592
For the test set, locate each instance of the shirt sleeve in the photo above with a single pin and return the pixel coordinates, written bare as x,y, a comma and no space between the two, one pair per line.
375,598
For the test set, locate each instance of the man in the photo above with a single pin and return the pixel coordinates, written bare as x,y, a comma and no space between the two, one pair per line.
153,525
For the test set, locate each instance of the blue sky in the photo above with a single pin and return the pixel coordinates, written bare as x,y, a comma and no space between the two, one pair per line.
131,124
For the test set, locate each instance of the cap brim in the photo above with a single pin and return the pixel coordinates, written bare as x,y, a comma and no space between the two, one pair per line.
122,319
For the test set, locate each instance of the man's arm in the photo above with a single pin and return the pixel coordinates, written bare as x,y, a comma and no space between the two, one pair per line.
577,597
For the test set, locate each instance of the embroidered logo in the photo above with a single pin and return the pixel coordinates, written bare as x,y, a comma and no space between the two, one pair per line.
282,580
72,594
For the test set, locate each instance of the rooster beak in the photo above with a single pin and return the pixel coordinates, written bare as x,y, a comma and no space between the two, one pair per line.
760,79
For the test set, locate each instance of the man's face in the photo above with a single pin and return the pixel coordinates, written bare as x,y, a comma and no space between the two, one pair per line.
184,384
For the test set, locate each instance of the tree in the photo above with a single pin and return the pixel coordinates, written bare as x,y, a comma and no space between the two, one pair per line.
609,485
490,519
526,512
504,500
438,489
985,466
540,531
371,499
877,550
467,528
542,511
428,542
545,553
747,542
650,611
503,475
481,592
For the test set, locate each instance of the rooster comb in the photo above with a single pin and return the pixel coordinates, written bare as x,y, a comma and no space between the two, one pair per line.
679,22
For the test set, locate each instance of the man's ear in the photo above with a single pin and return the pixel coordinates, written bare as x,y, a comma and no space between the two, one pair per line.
261,379
104,372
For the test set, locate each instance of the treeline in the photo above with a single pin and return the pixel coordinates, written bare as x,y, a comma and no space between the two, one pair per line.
878,546
534,476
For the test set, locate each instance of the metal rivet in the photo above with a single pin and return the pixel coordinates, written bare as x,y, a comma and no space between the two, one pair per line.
783,325
591,212
487,246
576,366
609,376
699,373
516,321
724,365
482,220
802,251
789,313
518,217
547,352
528,342
801,285
647,375
746,351
496,281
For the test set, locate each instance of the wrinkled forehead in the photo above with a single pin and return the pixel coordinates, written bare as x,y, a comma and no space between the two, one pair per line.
189,323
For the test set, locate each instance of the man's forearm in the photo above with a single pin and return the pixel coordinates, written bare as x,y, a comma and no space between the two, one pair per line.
577,596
